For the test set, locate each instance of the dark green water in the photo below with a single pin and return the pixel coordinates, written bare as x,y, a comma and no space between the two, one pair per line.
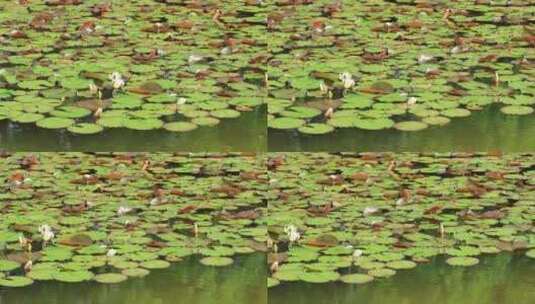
186,282
501,279
485,130
246,133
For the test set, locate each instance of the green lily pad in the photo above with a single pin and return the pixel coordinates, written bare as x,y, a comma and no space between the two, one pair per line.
73,276
155,264
401,265
410,126
15,281
55,123
356,278
216,261
319,277
382,272
85,128
135,272
285,123
456,112
225,113
180,126
517,110
462,261
6,265
205,121
271,282
143,123
316,128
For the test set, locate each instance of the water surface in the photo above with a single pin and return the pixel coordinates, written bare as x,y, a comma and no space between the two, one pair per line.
500,279
485,130
185,282
246,133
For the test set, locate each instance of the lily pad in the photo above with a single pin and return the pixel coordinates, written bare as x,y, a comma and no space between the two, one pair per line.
517,110
180,126
410,126
356,278
85,128
15,281
462,261
216,261
55,123
110,278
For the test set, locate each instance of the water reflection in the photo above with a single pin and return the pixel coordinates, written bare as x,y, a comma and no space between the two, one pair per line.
185,282
501,279
246,133
485,130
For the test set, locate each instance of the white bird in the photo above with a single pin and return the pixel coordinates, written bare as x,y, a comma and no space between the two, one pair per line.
111,253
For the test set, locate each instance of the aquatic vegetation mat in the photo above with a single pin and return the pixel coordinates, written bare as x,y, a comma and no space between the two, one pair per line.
356,218
86,66
74,217
400,64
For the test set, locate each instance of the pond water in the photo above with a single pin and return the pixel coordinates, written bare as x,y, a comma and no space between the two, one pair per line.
485,130
184,282
500,279
229,135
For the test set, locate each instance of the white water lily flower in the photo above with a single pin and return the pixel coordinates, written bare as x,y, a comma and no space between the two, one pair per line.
111,252
357,253
46,233
123,210
293,234
226,50
456,49
423,58
412,101
347,80
193,58
155,201
181,101
117,80
370,210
